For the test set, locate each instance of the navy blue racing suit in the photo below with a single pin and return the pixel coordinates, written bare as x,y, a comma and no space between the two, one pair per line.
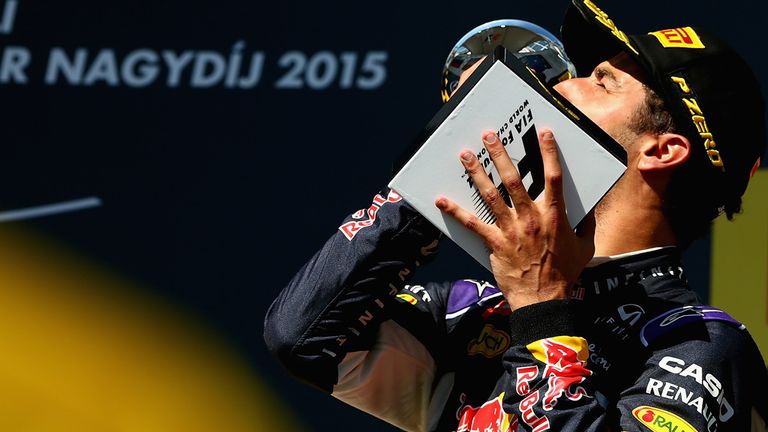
632,350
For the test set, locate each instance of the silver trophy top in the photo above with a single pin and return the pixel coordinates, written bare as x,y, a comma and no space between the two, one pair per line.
536,47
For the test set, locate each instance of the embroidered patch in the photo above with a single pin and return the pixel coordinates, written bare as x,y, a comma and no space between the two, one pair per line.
490,343
659,420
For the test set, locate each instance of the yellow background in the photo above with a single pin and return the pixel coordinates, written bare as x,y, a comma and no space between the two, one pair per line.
82,350
739,270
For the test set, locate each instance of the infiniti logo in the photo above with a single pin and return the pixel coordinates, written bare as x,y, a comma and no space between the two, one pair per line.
630,313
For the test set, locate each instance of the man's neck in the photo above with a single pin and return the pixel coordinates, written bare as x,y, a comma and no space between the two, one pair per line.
631,222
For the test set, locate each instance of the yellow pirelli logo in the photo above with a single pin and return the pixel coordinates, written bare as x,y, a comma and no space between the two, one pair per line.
682,37
700,122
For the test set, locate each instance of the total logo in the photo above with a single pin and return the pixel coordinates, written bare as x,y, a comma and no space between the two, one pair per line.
659,420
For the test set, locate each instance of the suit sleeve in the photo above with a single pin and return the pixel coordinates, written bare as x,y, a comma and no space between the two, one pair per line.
348,324
548,385
705,378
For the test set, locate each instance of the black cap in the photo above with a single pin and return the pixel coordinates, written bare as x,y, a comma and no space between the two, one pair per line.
709,90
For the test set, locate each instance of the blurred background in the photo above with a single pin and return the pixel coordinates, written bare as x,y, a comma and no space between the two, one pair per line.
196,153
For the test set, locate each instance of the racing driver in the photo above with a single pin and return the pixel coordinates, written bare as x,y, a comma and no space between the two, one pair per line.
593,329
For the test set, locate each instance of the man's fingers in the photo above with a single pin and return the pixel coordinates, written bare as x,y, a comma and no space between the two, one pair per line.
553,173
488,191
510,177
469,220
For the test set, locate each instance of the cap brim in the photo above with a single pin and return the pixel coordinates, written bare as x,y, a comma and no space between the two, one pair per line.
588,42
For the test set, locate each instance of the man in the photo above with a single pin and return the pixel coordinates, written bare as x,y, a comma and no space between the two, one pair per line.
562,341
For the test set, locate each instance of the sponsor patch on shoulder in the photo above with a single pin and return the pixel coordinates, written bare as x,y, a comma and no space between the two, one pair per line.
659,420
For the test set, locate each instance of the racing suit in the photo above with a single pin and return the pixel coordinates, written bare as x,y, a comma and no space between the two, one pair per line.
632,350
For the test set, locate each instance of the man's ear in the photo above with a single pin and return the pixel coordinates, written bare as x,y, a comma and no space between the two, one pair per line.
663,152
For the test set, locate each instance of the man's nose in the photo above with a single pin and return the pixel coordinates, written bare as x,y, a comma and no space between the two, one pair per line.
562,86
569,86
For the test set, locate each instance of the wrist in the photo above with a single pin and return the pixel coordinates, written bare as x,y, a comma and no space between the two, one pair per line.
563,318
521,295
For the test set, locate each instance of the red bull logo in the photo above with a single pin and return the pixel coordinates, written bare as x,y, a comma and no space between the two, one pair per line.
489,417
350,229
535,422
565,359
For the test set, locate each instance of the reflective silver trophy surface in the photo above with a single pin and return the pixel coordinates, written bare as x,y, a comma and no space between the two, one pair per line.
537,48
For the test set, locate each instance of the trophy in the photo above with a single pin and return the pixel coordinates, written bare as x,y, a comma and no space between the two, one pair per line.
539,50
516,65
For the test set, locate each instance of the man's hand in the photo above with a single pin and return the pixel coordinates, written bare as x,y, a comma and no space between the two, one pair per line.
535,255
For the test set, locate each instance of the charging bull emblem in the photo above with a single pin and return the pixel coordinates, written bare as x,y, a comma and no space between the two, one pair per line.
490,417
566,360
